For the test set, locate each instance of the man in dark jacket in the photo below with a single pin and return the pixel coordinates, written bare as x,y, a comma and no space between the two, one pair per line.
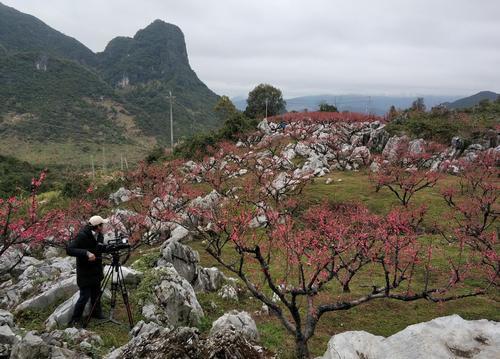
89,271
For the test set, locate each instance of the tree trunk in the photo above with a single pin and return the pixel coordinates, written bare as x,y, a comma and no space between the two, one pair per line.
346,288
301,348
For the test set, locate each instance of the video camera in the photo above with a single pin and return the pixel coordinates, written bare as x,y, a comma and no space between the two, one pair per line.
120,242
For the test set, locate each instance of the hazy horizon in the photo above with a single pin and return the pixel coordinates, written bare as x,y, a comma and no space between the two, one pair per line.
393,48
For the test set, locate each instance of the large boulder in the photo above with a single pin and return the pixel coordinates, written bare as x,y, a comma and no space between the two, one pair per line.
130,276
239,321
151,341
208,279
159,342
445,337
361,156
121,195
7,336
61,289
174,301
378,139
63,313
78,339
231,343
186,261
33,346
37,277
416,147
6,318
393,146
264,127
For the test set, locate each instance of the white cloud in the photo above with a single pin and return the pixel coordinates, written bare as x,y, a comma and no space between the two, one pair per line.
306,47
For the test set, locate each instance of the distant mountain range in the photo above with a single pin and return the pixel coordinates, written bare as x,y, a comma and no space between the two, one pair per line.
379,105
53,89
472,100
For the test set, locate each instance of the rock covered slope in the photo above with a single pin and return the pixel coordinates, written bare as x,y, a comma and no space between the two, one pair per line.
351,141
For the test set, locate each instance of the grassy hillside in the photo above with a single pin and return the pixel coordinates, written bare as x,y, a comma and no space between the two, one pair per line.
21,32
55,91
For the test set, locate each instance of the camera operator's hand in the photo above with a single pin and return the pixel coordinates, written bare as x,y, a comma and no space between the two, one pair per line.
91,256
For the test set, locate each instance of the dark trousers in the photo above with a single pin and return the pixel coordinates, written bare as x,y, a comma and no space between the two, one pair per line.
88,292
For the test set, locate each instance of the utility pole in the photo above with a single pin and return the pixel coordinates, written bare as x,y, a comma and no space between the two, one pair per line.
266,106
103,160
171,98
93,168
121,162
126,163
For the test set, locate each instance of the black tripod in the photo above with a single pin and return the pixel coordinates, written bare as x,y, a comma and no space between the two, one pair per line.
114,273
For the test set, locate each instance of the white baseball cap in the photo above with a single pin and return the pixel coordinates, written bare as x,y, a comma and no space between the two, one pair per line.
97,220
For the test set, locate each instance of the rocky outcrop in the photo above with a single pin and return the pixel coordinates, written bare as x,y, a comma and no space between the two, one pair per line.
392,147
238,321
446,337
61,289
151,341
228,292
186,261
37,277
62,315
78,339
231,343
174,301
122,195
130,276
33,346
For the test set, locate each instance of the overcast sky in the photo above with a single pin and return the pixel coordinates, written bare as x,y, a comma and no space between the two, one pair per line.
397,47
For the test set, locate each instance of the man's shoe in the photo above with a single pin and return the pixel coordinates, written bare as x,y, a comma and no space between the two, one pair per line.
98,316
76,323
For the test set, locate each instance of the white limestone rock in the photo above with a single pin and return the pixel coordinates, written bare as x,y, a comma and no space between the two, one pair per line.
239,321
174,302
61,289
445,337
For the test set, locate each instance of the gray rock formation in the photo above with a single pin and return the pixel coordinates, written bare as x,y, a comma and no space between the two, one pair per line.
231,343
186,262
78,339
228,292
445,337
32,346
130,276
62,315
239,321
150,341
61,289
6,318
174,301
159,342
393,145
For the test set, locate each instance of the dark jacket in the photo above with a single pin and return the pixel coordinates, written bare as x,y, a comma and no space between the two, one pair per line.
87,273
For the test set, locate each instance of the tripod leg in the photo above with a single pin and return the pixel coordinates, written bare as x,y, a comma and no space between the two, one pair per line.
123,288
114,288
109,274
